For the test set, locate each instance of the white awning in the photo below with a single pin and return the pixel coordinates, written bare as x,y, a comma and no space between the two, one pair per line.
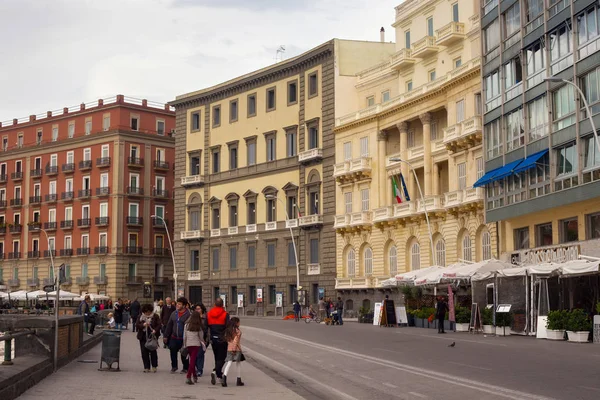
93,296
566,269
18,295
411,276
64,295
3,295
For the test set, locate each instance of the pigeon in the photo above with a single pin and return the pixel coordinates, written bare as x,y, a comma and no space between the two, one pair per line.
452,345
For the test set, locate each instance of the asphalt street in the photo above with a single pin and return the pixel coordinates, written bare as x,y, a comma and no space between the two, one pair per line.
361,361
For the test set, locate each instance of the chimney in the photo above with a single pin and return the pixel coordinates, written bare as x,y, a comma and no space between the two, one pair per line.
382,35
32,118
82,106
65,110
49,114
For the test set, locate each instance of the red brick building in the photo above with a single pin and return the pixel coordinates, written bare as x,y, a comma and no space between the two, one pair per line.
91,177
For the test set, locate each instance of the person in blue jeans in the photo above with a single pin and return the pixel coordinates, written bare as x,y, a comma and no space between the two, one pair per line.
201,309
174,333
339,306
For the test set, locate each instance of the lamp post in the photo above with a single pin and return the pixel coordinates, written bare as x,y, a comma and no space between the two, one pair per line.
397,159
585,103
298,287
172,254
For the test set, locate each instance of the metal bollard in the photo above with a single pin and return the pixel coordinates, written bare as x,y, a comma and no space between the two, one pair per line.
7,352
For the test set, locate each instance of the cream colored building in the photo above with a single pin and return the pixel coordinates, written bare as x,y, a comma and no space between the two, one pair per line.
421,105
249,153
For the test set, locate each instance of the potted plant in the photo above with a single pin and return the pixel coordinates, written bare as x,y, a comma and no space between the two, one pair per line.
503,322
597,316
463,317
578,326
556,324
487,320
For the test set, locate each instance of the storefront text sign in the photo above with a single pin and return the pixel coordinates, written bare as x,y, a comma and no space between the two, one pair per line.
558,254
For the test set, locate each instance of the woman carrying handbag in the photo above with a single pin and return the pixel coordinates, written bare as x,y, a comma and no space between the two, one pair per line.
233,337
193,342
148,329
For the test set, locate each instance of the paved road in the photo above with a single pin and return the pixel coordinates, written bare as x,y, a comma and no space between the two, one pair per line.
359,361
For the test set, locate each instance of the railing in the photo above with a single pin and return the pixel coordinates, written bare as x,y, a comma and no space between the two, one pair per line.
36,173
135,191
48,252
158,222
232,230
83,222
103,191
308,220
33,282
51,169
194,275
69,167
309,155
135,220
85,164
84,193
161,164
16,175
16,228
453,199
416,151
101,250
83,251
405,209
82,280
250,228
2,203
8,339
424,45
271,226
382,214
401,57
100,280
50,226
341,221
35,199
67,196
192,180
13,255
189,235
14,282
432,203
473,194
3,178
160,251
100,221
134,280
33,254
160,280
66,252
346,283
360,218
449,29
134,250
291,223
34,226
215,232
16,202
351,166
135,162
103,162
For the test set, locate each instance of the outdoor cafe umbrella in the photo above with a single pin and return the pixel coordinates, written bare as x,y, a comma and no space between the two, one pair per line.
19,295
64,295
93,296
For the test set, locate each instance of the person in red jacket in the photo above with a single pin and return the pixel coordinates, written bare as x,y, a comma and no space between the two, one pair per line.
217,321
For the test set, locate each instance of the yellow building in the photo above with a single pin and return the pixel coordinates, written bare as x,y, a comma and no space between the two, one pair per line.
255,159
422,105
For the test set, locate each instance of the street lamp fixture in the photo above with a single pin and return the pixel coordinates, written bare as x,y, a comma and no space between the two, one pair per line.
172,253
398,159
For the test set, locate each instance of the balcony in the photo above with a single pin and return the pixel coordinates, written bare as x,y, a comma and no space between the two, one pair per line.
352,170
83,280
135,162
313,269
35,199
51,170
103,191
36,173
353,283
161,251
85,165
84,222
51,198
2,203
134,250
232,230
453,200
341,221
271,226
433,204
161,165
14,255
194,276
463,135
160,280
405,210
100,280
66,252
14,283
402,59
3,178
359,221
251,228
425,47
101,250
192,180
103,162
310,155
187,236
102,221
135,191
383,215
33,282
311,221
83,251
291,223
16,202
67,196
47,281
66,224
68,168
33,254
2,229
16,176
50,226
16,228
451,33
157,223
135,220
68,281
160,194
416,152
47,253
215,232
34,226
134,280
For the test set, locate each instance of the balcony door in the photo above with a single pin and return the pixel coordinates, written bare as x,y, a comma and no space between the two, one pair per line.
133,210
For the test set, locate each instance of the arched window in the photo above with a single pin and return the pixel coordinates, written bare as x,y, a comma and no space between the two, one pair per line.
415,256
350,263
368,261
393,261
466,248
486,245
440,252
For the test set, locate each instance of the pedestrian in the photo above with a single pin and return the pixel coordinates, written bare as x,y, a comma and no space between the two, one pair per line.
297,310
441,308
174,333
111,321
119,308
126,313
339,306
193,341
109,304
102,306
148,326
322,308
201,309
165,315
217,319
134,310
233,336
89,321
329,307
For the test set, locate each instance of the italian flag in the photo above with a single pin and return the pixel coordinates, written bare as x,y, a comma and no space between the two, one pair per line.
396,190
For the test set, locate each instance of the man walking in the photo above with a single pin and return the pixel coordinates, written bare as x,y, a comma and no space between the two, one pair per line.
165,314
134,309
297,310
217,319
321,308
339,306
440,312
174,333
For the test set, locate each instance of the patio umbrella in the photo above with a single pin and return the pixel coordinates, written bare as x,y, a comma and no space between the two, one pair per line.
19,295
93,296
411,276
3,295
64,295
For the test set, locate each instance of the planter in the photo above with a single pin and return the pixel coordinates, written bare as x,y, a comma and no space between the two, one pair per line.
419,322
503,331
555,334
462,327
488,329
447,325
578,337
411,320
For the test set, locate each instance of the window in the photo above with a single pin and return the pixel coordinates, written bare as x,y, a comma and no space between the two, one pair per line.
314,251
195,260
216,218
430,26
493,140
591,87
252,295
134,180
71,131
291,259
216,116
216,254
347,151
432,75
196,121
515,134
133,210
251,213
588,32
106,122
409,86
591,160
271,147
233,215
313,137
105,151
410,138
272,294
233,156
251,105
478,104
313,85
160,127
87,154
18,166
455,12
351,263
495,194
512,24
233,258
234,293
233,111
593,226
407,39
103,240
271,210
364,196
370,101
569,230
368,261
543,234
539,178
84,270
516,188
486,245
271,99
480,168
492,91
393,260
271,255
533,8
521,236
385,96
491,39
291,206
560,49
457,62
216,161
194,220
55,134
195,165
348,202
251,256
513,75
440,253
536,64
462,176
567,159
537,114
291,140
415,257
292,93
460,111
364,146
467,253
135,123
88,127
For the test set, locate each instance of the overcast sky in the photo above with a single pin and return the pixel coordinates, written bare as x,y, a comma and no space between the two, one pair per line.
57,53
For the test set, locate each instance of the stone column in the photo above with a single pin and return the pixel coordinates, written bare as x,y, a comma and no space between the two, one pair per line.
426,121
384,190
408,175
436,179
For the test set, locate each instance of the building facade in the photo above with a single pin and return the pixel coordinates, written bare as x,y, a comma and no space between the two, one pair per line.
254,168
81,185
422,106
542,164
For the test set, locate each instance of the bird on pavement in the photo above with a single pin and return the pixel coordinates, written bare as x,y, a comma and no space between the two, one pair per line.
452,345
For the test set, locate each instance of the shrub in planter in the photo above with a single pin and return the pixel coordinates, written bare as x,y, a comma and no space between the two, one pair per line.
463,318
487,320
578,326
503,322
556,324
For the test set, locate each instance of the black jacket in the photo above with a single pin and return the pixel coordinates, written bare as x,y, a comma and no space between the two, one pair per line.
135,309
175,330
155,325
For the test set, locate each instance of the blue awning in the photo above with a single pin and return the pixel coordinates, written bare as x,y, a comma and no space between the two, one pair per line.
486,178
530,161
507,170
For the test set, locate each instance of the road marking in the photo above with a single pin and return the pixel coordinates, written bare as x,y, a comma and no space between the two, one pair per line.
470,366
452,339
366,377
390,385
418,395
443,377
590,388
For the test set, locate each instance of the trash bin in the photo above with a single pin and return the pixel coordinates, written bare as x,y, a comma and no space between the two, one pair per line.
111,349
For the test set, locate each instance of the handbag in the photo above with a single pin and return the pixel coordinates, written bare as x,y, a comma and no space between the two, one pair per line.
184,352
242,357
151,342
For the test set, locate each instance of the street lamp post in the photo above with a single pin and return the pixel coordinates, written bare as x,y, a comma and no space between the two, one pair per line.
172,253
57,282
397,159
585,103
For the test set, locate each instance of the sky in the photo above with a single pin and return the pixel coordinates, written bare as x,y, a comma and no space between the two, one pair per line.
58,53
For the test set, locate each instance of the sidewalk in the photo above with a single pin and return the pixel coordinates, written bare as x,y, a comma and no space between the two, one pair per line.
83,381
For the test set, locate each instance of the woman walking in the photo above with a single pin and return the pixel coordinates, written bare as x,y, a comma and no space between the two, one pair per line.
233,336
193,341
148,327
201,309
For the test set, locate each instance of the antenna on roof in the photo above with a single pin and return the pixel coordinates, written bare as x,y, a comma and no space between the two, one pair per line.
279,53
